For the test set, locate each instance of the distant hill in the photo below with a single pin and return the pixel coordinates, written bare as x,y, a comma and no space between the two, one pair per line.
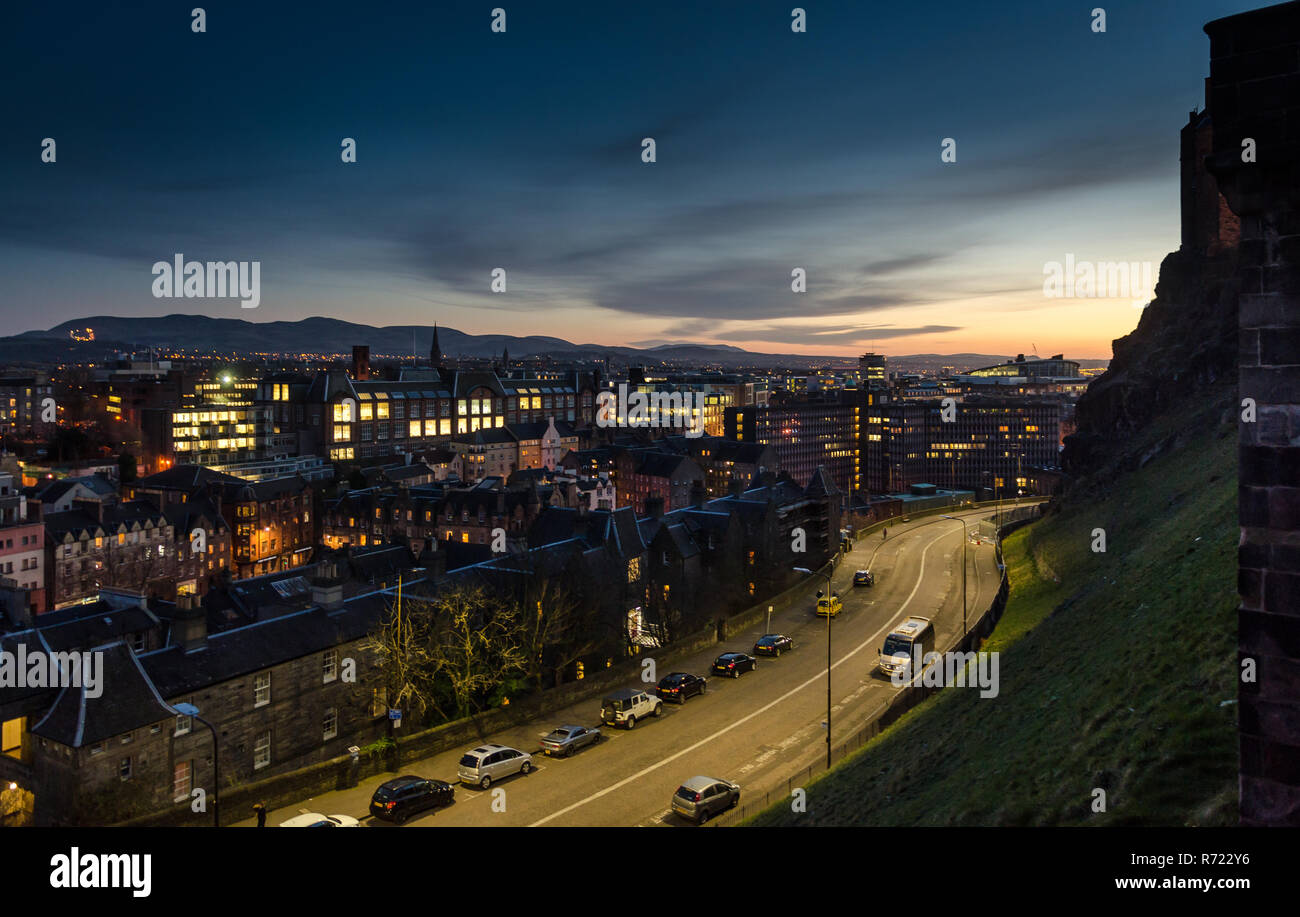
236,337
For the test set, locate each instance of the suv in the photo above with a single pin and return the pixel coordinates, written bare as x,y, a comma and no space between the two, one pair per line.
492,762
624,708
702,797
400,798
772,644
680,685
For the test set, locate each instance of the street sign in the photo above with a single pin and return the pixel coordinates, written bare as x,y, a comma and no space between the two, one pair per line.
394,714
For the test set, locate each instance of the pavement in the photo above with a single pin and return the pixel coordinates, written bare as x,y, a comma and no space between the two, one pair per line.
757,730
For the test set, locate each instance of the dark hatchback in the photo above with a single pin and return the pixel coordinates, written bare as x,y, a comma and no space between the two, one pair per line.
678,686
772,645
403,797
732,664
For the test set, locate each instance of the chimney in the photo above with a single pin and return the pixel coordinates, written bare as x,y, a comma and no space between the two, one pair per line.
327,586
699,495
360,362
654,507
93,508
190,625
18,601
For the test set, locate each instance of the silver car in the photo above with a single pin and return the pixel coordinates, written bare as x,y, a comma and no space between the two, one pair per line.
565,740
700,798
492,762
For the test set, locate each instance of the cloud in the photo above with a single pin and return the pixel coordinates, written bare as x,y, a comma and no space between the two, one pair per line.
841,336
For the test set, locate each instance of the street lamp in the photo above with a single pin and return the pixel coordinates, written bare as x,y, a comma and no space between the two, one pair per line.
830,608
193,712
965,540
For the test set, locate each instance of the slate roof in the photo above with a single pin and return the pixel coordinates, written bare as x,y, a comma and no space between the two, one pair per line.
127,700
537,429
664,465
54,491
405,472
820,484
493,436
76,521
186,478
34,641
263,644
188,515
92,624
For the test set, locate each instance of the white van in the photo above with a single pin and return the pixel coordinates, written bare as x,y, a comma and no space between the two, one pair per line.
913,638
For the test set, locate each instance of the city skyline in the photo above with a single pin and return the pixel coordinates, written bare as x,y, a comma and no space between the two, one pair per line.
774,151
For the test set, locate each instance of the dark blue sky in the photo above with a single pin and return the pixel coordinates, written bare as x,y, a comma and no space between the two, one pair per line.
522,151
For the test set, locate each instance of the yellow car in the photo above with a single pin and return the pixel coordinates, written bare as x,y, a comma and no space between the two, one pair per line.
829,607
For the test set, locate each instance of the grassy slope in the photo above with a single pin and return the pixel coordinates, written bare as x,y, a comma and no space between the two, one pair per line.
1114,669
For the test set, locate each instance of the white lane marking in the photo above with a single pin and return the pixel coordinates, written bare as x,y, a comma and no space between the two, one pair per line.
724,730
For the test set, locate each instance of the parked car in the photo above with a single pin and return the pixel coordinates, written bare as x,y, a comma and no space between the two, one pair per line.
772,645
624,708
680,685
732,664
829,606
700,798
400,798
316,820
565,740
492,762
864,578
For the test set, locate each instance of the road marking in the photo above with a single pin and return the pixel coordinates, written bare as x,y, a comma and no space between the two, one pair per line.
920,576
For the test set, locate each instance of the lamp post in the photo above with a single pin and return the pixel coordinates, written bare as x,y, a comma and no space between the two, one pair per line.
829,608
193,712
965,540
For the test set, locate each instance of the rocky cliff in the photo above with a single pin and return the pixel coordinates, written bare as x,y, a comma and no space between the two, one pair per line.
1184,344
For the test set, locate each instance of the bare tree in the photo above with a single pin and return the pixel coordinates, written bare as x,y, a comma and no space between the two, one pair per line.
458,640
559,629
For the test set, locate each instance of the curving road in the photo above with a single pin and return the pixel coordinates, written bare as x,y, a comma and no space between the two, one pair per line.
757,730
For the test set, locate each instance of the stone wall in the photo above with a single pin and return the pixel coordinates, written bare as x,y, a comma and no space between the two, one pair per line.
1255,94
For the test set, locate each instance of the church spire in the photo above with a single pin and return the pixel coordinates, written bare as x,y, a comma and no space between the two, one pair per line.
435,352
